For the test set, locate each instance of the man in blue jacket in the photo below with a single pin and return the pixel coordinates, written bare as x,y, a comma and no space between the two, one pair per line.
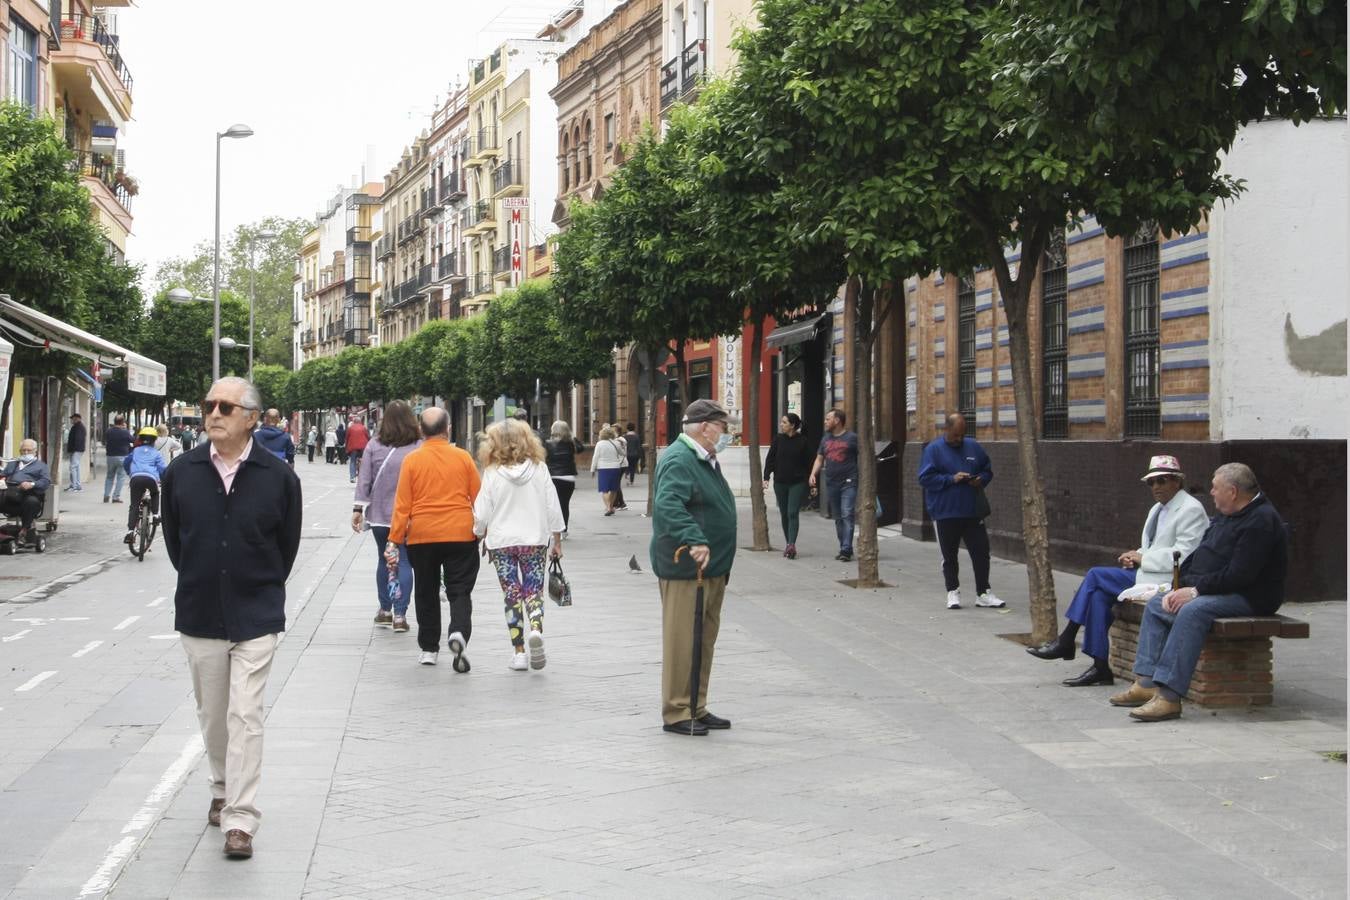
1238,570
145,466
26,481
953,471
274,440
232,520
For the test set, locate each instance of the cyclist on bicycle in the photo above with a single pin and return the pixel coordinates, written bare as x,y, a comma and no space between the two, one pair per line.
146,466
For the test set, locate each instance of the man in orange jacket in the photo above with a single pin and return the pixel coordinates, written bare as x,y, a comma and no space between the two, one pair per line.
433,516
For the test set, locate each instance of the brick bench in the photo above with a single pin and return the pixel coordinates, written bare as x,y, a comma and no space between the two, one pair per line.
1236,665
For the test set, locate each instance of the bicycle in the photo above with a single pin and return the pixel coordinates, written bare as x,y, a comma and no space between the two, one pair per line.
147,523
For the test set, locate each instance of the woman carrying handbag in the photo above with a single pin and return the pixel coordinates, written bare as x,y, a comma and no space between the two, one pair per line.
518,517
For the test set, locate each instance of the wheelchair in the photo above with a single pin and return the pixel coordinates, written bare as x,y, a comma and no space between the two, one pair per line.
9,532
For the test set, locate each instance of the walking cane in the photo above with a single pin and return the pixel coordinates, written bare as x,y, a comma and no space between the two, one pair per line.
696,655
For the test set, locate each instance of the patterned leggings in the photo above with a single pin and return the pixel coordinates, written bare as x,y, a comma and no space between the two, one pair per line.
520,570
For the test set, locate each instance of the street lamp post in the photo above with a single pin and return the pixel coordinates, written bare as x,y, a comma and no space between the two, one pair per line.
260,236
234,131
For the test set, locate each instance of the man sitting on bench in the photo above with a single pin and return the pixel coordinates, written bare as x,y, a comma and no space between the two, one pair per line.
1238,570
26,481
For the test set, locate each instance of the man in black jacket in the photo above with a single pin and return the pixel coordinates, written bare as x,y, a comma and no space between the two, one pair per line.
76,440
231,514
1238,570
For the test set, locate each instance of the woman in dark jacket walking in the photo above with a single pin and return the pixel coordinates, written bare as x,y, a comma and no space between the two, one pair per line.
561,451
789,460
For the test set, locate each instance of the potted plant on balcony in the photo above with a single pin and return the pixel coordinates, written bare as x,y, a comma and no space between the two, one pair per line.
126,182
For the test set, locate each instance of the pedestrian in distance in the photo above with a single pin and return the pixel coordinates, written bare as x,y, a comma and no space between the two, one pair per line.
694,513
632,444
311,439
1172,530
232,524
169,447
954,472
607,459
619,502
330,446
433,518
519,520
76,440
838,456
357,439
375,490
341,434
117,443
275,439
26,481
187,437
145,467
789,464
561,456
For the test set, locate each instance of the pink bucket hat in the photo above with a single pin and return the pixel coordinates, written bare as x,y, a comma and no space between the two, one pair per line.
1163,465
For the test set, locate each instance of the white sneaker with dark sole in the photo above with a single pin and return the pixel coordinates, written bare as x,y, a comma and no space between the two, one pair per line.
428,658
461,662
953,599
537,659
988,599
518,663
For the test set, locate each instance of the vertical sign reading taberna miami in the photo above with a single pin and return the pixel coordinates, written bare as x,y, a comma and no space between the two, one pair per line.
730,384
517,206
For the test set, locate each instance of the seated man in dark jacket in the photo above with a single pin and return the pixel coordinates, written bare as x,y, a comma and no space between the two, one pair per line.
26,481
1238,570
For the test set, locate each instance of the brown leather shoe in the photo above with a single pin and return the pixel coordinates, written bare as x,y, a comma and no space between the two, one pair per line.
238,844
1137,695
1159,709
213,814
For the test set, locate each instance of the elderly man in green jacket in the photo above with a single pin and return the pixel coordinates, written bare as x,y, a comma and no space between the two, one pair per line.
694,508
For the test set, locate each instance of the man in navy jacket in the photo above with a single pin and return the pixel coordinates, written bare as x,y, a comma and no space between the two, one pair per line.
26,480
231,514
1238,570
954,471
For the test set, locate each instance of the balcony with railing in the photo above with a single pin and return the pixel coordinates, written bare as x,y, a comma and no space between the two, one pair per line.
384,247
484,144
425,276
410,228
447,267
87,43
479,217
482,284
103,169
507,179
501,262
358,234
307,338
451,189
693,61
670,83
429,199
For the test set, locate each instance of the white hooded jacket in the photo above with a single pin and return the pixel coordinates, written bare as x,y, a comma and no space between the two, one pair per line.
517,506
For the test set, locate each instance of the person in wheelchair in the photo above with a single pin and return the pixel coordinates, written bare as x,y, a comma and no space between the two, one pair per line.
146,466
26,481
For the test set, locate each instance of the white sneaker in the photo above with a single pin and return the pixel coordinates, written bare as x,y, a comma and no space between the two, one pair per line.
519,663
988,599
428,658
537,659
953,599
461,662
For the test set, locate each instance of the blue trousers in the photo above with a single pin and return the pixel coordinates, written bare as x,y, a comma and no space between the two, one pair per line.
842,496
405,573
1170,644
1092,606
115,477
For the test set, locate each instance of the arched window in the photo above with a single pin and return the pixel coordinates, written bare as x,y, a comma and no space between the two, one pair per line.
562,159
586,149
576,159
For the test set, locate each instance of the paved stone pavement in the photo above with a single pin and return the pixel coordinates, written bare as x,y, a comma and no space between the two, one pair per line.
882,747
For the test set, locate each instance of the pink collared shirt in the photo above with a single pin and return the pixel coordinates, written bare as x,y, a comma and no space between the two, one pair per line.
227,470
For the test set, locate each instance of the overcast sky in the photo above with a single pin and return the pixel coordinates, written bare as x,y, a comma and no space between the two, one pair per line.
318,81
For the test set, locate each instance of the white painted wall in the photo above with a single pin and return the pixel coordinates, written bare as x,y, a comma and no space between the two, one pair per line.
1279,250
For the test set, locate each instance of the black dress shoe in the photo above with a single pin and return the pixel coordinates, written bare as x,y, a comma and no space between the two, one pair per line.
1092,676
1053,650
688,726
712,721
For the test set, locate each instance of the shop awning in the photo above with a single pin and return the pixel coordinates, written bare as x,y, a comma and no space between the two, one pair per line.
144,375
796,333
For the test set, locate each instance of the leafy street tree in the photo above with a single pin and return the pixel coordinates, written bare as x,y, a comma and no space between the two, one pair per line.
274,383
179,336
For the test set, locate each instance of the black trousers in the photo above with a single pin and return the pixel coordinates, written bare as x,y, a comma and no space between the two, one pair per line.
950,534
457,563
310,448
27,505
565,489
139,485
633,467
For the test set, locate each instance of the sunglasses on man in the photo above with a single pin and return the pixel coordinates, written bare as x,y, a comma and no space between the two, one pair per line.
225,406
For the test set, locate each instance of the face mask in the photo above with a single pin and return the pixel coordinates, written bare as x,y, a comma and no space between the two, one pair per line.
26,458
723,442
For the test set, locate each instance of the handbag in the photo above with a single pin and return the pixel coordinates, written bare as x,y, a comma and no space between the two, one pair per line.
982,509
558,588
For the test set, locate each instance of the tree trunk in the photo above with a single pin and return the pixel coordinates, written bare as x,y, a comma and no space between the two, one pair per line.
865,509
758,512
683,377
654,383
1035,525
4,407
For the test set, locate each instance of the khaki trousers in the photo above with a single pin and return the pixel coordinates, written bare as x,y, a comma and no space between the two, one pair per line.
677,643
228,680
